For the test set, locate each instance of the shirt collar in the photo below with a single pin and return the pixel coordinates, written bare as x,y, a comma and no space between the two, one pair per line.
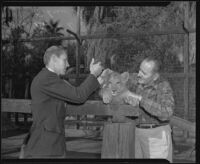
50,69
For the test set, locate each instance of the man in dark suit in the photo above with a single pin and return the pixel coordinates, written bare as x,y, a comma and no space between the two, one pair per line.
49,96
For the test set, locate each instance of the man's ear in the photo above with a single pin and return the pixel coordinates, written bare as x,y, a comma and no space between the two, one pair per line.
54,57
125,76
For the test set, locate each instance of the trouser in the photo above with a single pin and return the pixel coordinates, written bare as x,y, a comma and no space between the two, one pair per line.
43,143
153,143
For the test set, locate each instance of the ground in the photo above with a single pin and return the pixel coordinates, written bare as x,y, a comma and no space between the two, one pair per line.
84,144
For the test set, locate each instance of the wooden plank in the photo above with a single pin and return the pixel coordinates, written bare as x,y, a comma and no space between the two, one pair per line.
176,75
89,107
183,124
84,123
118,140
186,71
93,108
98,108
16,105
78,45
186,67
169,30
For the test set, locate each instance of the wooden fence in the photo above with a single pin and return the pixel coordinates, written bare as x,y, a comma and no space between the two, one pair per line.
110,145
93,108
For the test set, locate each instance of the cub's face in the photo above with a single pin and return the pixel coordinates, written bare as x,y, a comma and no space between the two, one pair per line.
113,87
117,83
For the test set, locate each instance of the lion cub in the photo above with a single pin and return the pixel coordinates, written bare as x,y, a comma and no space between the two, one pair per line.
114,86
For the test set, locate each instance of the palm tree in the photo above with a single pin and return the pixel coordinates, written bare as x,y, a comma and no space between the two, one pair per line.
53,29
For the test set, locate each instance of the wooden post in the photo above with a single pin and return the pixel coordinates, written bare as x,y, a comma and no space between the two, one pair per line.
26,96
78,45
8,120
186,67
10,95
118,140
78,56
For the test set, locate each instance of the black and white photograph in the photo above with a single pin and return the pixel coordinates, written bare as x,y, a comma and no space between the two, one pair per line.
99,82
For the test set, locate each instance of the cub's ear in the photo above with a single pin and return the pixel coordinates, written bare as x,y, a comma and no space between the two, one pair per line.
125,76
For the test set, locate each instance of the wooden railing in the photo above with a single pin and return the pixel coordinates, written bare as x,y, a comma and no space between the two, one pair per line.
92,108
98,108
88,108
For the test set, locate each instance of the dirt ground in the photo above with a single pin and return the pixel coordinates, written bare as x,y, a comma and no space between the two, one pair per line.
83,144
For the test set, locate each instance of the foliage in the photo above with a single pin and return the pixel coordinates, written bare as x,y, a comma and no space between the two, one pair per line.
50,29
13,17
122,53
22,60
14,63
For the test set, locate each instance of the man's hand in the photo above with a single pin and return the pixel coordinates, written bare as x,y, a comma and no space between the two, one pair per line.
107,98
95,69
132,101
132,98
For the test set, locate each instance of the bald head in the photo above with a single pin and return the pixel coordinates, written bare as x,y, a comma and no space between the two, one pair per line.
53,50
149,70
55,59
153,64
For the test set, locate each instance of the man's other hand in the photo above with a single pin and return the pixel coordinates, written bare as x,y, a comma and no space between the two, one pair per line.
95,69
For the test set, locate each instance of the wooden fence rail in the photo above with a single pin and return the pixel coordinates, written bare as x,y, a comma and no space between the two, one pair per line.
88,108
111,146
93,108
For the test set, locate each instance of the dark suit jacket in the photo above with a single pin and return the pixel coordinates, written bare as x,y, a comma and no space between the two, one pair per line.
49,94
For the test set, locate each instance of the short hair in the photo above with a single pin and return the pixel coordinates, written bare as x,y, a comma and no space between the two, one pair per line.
156,68
53,50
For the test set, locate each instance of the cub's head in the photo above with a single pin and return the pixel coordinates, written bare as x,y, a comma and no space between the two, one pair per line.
114,85
117,83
